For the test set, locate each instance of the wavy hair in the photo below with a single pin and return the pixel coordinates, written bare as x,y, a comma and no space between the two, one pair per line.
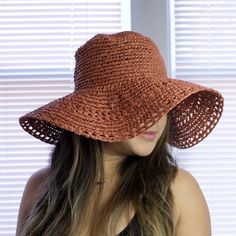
76,164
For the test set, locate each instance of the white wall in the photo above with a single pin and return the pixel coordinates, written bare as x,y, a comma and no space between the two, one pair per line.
150,17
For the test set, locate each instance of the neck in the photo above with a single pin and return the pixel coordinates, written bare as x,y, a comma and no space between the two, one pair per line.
110,170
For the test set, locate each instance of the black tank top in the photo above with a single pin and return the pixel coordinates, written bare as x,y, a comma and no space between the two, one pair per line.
135,225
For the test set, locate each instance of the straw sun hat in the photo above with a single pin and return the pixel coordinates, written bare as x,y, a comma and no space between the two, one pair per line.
122,89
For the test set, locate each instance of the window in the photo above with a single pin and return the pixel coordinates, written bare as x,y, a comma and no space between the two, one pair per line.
38,40
203,48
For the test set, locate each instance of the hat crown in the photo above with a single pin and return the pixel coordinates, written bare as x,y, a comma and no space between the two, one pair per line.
109,59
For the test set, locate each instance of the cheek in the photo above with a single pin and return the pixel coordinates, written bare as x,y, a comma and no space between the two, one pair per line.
162,123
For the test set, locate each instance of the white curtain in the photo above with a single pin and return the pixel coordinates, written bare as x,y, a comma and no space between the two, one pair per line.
38,40
203,50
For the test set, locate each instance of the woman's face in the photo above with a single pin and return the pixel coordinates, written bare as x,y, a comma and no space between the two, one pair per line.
139,145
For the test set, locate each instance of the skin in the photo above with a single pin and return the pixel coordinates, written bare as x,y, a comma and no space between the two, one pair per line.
139,145
191,214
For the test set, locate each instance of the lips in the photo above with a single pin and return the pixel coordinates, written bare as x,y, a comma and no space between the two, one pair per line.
150,135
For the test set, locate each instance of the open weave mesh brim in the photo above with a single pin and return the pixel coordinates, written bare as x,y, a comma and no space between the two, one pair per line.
108,114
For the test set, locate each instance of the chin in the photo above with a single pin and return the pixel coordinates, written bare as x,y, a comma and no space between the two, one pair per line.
143,153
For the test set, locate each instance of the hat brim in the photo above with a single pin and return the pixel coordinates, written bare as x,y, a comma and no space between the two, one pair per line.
109,114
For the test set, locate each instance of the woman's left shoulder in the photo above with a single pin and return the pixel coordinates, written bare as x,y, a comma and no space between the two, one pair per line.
191,210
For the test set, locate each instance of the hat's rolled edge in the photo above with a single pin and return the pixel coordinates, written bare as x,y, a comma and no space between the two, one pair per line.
220,104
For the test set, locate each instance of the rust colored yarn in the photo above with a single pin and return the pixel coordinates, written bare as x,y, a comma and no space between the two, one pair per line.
122,89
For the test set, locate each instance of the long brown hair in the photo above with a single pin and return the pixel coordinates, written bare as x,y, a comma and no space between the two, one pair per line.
76,162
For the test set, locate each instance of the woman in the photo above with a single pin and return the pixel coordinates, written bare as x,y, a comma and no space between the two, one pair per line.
112,171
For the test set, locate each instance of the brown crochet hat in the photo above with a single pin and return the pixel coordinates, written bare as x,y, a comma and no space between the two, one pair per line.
122,89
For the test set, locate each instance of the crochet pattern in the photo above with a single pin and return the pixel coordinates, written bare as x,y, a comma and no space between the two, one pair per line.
122,89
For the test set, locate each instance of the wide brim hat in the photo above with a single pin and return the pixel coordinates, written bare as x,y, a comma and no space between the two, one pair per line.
121,90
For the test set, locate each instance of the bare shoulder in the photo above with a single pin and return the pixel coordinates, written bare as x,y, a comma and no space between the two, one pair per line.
191,209
32,191
39,175
34,185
